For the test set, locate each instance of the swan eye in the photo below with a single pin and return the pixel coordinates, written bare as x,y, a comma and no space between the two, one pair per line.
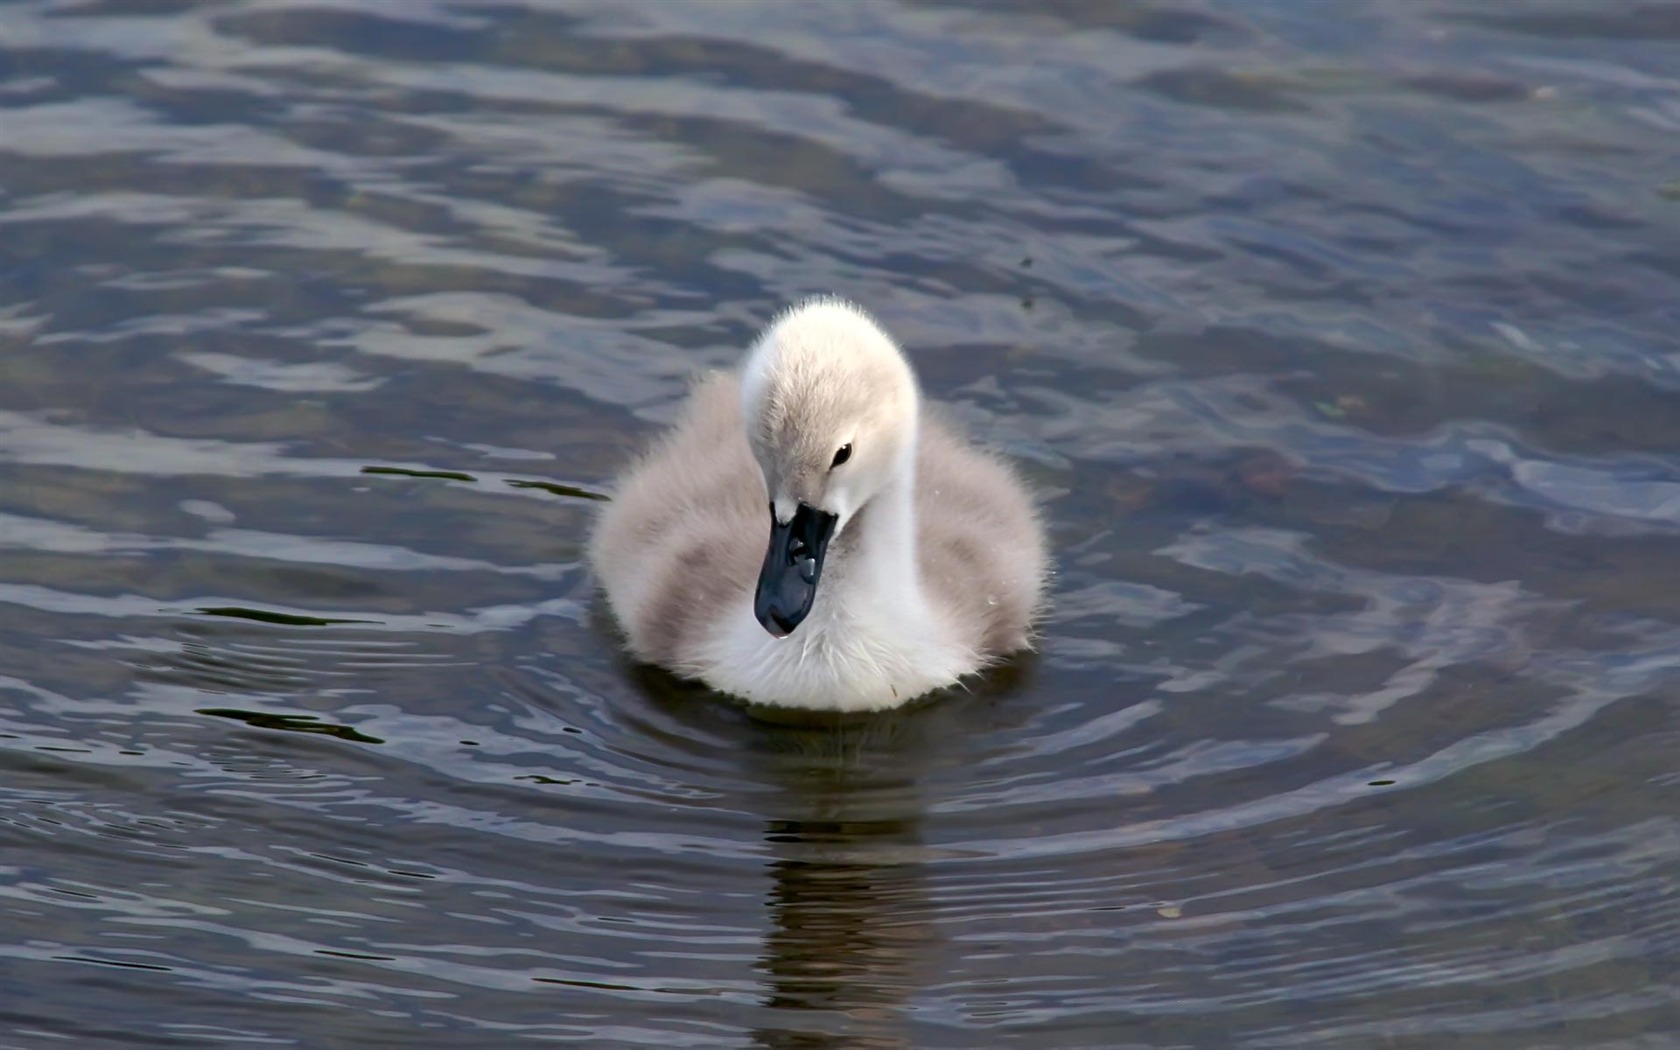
841,456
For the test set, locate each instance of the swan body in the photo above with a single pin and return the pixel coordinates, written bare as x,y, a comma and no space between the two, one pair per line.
899,557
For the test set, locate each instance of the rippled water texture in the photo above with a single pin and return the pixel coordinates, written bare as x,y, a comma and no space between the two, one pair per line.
1339,339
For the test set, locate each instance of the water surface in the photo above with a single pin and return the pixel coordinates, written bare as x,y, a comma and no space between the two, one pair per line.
1339,341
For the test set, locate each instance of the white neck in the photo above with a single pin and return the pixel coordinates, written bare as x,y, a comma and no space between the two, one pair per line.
887,565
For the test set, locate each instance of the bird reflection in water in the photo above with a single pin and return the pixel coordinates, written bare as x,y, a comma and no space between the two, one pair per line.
852,936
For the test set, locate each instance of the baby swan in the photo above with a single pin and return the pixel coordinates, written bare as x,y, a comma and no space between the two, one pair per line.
805,536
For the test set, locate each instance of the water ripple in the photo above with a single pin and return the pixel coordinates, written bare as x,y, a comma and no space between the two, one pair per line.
1339,347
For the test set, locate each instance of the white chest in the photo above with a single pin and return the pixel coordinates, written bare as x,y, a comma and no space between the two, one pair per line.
857,651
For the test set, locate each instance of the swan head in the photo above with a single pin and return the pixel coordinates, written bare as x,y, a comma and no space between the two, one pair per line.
830,407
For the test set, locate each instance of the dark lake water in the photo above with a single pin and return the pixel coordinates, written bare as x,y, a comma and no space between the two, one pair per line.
1339,340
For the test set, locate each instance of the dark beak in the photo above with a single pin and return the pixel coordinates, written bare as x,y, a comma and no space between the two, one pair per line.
787,585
